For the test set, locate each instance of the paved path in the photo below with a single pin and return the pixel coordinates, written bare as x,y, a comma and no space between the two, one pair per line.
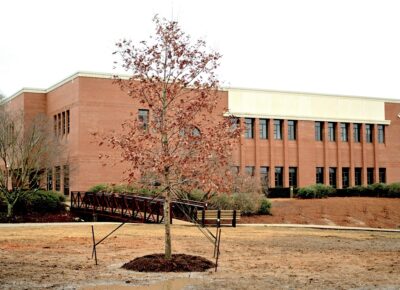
183,223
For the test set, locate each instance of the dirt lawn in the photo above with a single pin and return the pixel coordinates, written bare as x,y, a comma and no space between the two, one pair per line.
334,211
59,257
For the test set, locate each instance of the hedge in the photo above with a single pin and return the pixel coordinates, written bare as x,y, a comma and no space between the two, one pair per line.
40,202
373,190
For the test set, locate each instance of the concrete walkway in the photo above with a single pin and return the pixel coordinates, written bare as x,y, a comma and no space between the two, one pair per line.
183,223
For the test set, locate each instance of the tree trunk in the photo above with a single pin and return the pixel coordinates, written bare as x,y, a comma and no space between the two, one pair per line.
167,223
10,208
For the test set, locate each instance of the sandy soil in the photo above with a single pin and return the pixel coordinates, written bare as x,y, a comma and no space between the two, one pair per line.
59,257
343,211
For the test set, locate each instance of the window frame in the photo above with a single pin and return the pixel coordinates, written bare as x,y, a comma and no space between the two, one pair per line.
344,132
278,129
249,128
331,131
292,128
356,132
263,129
279,176
319,131
381,134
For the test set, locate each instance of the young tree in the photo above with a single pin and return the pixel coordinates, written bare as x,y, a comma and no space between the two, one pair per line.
25,151
175,140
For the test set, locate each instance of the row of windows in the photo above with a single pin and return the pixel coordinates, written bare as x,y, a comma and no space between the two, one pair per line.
319,178
264,175
54,179
319,130
263,126
61,123
344,132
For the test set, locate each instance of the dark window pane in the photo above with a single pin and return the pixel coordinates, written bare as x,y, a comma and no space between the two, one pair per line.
357,176
278,129
250,170
368,133
381,134
66,179
143,117
332,177
49,179
58,173
291,130
370,175
318,131
319,175
357,132
345,177
278,176
382,175
331,131
249,128
263,129
293,176
344,129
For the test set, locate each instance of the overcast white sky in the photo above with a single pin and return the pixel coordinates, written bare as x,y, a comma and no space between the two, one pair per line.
349,47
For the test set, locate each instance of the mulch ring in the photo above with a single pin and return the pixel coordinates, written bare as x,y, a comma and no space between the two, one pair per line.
178,263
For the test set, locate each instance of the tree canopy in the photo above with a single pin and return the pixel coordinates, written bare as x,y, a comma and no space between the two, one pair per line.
180,140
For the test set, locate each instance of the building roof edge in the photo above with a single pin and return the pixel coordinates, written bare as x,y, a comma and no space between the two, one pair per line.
388,100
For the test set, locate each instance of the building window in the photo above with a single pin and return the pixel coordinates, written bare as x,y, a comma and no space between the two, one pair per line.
331,131
357,176
345,177
332,176
263,129
368,133
68,121
319,131
250,170
63,123
235,123
143,118
357,133
66,179
370,175
49,179
319,178
344,132
293,176
381,134
291,130
249,128
264,170
59,123
278,129
55,124
58,175
278,176
235,170
382,175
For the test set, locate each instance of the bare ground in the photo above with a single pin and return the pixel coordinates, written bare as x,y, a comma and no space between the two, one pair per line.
59,257
341,211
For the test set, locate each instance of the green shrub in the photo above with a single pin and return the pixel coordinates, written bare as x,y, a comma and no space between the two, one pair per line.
315,191
40,202
196,195
221,201
378,189
394,189
99,188
265,207
247,203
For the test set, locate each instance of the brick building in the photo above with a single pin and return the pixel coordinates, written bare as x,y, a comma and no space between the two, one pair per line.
291,139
